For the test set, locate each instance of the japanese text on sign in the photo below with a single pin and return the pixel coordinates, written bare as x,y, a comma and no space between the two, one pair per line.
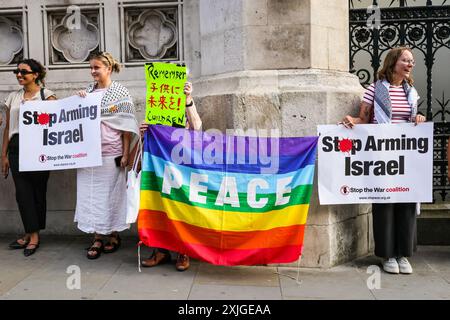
165,100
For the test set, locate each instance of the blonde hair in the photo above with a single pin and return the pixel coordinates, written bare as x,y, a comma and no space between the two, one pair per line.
387,72
108,60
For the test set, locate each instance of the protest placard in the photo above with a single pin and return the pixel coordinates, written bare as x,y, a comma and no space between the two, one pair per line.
383,163
60,134
165,100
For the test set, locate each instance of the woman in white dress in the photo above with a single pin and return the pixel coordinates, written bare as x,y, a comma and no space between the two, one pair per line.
101,191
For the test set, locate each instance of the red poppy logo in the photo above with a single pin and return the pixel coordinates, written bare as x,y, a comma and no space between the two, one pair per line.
44,119
345,190
345,145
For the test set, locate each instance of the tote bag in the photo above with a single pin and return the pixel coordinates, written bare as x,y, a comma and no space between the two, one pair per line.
134,188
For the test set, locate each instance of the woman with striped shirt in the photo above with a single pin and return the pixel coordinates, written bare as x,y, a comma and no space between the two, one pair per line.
392,99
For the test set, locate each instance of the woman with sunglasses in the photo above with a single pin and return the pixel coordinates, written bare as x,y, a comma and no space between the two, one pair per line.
31,187
392,99
101,191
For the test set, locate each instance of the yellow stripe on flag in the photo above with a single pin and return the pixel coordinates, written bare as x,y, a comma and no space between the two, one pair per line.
224,220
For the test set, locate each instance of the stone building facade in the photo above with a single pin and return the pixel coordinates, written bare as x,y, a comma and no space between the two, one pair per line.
254,64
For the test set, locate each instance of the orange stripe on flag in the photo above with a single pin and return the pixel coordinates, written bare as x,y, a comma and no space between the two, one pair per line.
272,238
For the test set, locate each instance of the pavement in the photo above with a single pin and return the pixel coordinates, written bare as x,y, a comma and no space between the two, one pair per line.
60,270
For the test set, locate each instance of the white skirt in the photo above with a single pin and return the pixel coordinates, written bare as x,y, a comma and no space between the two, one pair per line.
101,198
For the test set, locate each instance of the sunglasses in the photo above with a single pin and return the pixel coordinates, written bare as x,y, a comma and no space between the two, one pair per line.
22,71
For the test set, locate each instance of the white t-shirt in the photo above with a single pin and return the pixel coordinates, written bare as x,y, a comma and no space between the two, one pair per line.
13,102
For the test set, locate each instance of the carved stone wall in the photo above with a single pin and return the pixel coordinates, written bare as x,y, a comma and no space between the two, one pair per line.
62,34
151,34
72,39
11,39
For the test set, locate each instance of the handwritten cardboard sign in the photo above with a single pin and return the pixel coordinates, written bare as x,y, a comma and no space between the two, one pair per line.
165,100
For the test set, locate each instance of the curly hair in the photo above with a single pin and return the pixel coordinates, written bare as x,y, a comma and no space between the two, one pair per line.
36,67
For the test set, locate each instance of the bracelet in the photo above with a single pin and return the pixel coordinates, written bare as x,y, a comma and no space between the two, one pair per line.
190,104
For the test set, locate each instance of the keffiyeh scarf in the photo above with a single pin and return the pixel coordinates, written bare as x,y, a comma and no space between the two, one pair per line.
117,109
383,104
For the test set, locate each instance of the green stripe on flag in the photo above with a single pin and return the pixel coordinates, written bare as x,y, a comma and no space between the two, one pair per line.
299,195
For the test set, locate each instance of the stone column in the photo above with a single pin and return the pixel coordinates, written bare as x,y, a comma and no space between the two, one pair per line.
283,64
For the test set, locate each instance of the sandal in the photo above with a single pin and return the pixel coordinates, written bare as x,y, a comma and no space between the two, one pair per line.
115,245
16,245
97,250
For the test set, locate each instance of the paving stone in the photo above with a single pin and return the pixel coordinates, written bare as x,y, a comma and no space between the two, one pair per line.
416,286
234,292
162,282
239,275
115,276
335,283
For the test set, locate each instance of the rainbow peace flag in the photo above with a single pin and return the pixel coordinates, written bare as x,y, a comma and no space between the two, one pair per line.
224,199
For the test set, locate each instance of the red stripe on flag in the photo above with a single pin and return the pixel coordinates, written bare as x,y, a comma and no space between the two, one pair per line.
230,257
276,237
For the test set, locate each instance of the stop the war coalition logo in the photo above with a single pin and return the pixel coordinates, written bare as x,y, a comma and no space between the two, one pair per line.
375,163
60,134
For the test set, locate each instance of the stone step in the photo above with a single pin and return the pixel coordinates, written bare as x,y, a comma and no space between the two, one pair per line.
433,225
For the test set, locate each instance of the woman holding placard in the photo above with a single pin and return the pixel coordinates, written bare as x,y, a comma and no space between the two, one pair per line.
101,191
194,122
392,99
31,187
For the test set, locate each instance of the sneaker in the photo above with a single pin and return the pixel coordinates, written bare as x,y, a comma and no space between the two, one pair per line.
404,265
182,262
391,266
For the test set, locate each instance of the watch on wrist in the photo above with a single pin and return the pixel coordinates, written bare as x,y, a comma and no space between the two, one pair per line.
190,104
